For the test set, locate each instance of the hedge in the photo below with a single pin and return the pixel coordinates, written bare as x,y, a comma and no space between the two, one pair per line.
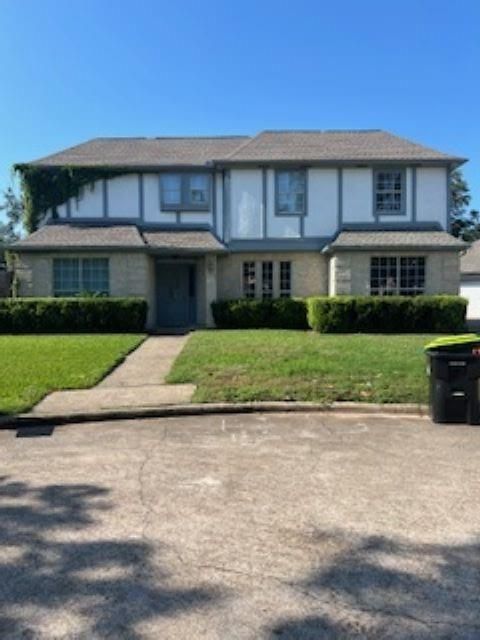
72,315
346,314
380,314
278,313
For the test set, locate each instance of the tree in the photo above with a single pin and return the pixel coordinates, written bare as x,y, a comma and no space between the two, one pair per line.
464,224
13,208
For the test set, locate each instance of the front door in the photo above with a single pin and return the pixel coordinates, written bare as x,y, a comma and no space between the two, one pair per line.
176,295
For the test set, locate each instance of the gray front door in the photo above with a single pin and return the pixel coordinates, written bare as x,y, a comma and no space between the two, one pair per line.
176,295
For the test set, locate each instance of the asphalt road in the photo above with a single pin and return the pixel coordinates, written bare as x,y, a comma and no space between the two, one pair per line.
258,526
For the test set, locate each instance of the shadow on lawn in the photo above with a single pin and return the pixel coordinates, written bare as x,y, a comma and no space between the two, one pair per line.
379,588
111,585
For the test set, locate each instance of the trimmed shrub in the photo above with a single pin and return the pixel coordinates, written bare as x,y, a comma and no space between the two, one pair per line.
278,313
73,315
382,314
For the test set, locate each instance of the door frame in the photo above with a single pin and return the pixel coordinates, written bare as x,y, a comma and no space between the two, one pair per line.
190,262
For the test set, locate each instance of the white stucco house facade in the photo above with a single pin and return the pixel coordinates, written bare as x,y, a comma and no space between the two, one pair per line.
186,221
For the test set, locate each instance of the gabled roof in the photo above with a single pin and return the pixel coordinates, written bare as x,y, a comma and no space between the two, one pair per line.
408,240
470,261
356,145
360,146
83,236
143,152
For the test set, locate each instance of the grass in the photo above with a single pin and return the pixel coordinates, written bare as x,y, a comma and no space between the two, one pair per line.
243,365
32,366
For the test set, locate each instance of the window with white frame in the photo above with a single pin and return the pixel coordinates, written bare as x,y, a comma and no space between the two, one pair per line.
390,191
249,279
73,276
285,279
185,191
291,192
267,280
391,275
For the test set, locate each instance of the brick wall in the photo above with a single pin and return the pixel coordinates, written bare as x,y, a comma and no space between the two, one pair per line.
309,273
350,271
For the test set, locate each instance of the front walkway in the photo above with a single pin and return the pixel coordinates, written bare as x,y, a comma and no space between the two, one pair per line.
138,382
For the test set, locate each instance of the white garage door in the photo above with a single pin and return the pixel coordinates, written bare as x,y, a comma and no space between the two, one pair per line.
471,291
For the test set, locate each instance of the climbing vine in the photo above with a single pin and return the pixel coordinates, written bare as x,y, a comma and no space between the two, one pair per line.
46,188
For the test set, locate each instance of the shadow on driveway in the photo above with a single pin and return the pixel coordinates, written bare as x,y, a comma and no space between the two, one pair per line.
110,586
381,588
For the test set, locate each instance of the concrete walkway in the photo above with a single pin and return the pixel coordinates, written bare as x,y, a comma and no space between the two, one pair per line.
139,382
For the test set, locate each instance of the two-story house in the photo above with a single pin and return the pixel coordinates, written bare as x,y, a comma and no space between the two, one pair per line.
186,221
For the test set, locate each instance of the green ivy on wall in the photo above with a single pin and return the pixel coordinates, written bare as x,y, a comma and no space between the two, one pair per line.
46,188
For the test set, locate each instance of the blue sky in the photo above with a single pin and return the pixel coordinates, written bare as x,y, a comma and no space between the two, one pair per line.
80,69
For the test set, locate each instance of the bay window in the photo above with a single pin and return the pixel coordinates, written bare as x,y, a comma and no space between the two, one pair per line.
392,275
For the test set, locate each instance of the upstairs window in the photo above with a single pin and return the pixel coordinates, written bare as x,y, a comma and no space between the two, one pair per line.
185,191
74,276
291,193
389,191
249,279
403,276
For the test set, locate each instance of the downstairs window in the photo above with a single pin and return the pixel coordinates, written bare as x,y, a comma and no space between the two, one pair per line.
74,276
392,275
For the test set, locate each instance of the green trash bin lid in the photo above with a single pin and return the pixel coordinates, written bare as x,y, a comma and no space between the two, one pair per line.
451,341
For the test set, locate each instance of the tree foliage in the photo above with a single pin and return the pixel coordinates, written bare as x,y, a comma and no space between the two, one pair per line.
13,209
465,223
45,188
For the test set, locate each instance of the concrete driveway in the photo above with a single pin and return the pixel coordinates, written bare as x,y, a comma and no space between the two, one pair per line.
260,526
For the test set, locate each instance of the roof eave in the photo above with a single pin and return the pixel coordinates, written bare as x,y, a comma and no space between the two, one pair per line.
25,248
208,165
396,247
363,162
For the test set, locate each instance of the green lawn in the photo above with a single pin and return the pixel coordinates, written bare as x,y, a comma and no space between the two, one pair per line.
240,366
34,365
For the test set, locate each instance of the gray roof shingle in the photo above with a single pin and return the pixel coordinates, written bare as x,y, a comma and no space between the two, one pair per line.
143,152
268,146
360,146
365,240
81,235
202,241
84,236
470,261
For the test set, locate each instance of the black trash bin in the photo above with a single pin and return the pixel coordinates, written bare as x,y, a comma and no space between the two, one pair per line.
454,367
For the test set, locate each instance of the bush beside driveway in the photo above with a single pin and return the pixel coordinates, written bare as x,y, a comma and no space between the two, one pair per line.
248,365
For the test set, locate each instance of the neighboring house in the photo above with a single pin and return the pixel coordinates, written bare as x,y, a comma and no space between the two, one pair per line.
284,213
470,281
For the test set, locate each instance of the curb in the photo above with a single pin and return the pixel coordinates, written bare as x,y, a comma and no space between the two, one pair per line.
170,411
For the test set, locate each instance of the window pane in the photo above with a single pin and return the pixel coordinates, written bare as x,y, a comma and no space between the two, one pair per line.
95,275
412,276
291,192
267,280
285,279
249,279
66,276
383,276
389,195
198,190
171,189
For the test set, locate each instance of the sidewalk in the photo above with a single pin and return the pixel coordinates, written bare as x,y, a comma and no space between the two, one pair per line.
139,382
